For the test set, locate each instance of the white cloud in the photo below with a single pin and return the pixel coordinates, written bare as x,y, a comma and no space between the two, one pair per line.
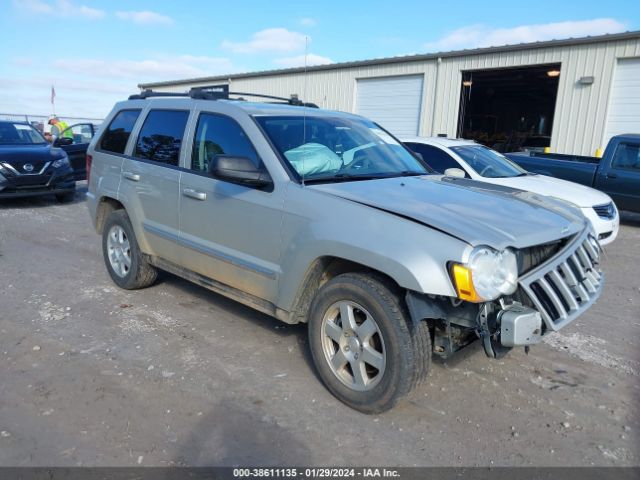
269,40
90,86
63,8
298,60
308,22
156,69
474,36
145,17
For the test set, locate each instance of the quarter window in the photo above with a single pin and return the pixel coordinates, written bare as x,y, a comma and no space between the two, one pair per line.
627,156
218,135
161,135
117,134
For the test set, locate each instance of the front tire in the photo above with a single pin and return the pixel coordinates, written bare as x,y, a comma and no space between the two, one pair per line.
122,256
367,351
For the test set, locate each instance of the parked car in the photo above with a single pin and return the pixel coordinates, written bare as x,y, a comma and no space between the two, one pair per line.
617,173
30,166
76,146
322,217
466,158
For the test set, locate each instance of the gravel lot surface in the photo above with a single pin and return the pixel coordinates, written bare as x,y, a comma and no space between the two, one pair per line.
177,375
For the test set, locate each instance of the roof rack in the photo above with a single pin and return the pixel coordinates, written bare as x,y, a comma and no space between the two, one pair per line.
203,93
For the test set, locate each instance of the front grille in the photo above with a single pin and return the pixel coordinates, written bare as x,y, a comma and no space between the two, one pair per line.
606,211
15,169
566,286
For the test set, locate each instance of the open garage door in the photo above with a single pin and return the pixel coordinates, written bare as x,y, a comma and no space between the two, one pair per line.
624,103
509,109
392,102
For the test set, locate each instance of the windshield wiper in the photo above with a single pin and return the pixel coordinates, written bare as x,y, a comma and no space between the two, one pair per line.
341,177
349,177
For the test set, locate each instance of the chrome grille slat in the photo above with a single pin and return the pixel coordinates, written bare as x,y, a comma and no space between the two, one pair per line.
593,255
578,265
572,281
591,288
565,286
557,303
586,261
566,292
582,293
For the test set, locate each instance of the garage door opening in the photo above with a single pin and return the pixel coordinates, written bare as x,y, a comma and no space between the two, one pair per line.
509,109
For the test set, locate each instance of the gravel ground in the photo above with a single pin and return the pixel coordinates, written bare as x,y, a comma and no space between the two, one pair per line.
176,375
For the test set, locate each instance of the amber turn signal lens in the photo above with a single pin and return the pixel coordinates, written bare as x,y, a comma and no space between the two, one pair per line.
464,284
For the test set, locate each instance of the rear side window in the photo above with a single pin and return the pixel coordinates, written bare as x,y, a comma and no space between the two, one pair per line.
117,134
218,135
435,158
161,135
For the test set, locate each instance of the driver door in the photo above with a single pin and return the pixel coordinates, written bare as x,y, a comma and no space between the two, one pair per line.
77,151
229,233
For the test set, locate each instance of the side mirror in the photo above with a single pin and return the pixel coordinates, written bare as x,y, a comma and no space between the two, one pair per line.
418,155
239,170
455,172
63,142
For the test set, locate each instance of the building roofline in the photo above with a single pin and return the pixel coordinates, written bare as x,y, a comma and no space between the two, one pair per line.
402,59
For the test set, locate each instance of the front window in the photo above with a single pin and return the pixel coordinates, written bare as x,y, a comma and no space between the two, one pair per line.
488,163
339,149
14,133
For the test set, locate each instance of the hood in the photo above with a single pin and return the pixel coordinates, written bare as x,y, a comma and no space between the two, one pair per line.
475,212
585,197
19,154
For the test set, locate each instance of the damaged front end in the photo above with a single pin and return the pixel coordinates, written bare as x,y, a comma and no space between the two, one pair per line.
556,284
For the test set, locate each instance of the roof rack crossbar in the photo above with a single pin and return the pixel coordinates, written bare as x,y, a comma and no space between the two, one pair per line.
150,93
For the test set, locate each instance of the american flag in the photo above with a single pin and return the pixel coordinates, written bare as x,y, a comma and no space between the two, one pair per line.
53,94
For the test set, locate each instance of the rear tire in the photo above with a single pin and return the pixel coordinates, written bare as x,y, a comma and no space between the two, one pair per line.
367,351
124,260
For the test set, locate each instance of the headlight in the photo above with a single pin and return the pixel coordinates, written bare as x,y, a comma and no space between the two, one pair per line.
487,275
61,162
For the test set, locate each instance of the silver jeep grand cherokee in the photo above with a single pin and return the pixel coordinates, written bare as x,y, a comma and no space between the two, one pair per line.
323,217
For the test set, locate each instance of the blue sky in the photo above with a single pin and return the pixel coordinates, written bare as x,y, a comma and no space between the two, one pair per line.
96,52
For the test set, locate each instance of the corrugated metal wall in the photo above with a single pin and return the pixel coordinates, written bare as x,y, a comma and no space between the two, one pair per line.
581,110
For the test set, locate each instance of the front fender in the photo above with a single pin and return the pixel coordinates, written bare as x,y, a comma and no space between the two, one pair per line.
318,225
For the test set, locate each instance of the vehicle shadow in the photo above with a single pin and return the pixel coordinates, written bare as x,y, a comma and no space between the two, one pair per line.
244,313
232,434
44,201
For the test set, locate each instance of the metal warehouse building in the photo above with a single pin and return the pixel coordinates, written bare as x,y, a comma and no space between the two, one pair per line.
571,95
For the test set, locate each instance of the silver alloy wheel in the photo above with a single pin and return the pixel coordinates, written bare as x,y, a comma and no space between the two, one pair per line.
119,251
353,345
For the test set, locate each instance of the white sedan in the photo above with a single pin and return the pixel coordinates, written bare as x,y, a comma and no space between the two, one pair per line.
465,158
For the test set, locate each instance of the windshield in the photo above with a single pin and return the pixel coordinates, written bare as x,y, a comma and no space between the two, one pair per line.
19,134
339,149
488,163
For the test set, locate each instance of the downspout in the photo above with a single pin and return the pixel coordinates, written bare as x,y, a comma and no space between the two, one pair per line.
435,97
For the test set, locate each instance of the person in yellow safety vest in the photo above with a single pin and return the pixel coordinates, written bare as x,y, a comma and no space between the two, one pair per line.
60,128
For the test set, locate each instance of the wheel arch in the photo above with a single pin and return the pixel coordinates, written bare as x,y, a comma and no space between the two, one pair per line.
322,270
106,205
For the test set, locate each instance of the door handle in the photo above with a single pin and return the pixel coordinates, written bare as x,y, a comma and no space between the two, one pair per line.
131,176
611,175
191,193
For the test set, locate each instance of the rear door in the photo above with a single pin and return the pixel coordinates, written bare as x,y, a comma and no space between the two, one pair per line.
621,181
228,232
150,181
77,151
